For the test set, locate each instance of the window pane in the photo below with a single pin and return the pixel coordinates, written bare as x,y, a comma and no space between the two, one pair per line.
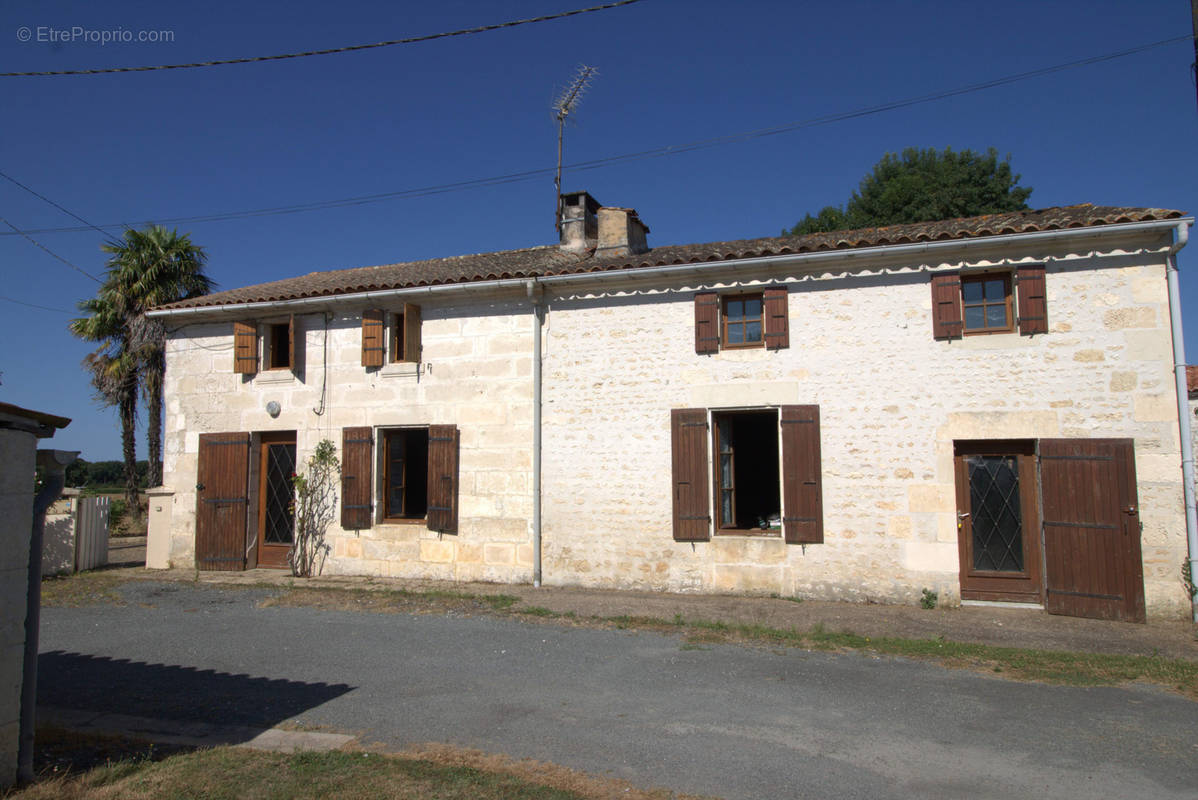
996,289
996,316
753,331
736,333
975,317
753,307
971,291
735,309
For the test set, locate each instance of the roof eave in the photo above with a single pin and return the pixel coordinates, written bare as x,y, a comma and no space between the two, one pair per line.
814,259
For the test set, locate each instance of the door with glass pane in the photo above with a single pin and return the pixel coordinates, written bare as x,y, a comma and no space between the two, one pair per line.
276,521
998,522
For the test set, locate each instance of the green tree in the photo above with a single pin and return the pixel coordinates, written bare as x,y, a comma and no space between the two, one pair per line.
924,186
146,268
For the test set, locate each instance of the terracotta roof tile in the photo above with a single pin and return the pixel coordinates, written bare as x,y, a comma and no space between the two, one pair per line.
551,260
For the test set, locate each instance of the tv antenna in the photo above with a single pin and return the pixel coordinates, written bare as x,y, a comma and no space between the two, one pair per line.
564,106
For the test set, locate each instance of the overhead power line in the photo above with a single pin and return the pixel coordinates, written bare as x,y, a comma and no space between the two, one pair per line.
35,305
47,250
40,196
656,152
328,51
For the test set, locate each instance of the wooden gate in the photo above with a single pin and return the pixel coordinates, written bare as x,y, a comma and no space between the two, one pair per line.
1092,557
222,501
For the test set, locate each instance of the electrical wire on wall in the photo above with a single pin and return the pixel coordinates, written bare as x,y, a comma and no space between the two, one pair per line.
324,365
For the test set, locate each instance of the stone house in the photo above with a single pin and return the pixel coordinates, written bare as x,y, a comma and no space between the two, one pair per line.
984,408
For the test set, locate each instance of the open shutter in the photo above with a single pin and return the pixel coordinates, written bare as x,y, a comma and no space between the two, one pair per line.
291,345
1033,307
692,508
802,476
411,333
372,338
245,348
777,327
707,322
443,478
357,461
946,306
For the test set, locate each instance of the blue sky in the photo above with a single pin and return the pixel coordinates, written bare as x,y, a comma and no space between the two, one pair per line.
150,146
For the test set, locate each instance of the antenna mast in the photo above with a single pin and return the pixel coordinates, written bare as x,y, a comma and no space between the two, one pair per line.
563,107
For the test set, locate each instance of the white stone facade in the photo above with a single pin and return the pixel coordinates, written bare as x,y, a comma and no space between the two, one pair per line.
617,357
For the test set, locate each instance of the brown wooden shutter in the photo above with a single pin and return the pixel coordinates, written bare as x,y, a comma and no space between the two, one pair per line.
707,323
443,478
357,484
222,500
291,362
692,508
777,326
802,476
411,332
372,338
1033,305
946,306
245,348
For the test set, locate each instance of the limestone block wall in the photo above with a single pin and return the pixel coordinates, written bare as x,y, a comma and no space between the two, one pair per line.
18,451
475,373
892,401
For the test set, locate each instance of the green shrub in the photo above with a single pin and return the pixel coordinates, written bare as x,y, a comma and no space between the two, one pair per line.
117,511
929,599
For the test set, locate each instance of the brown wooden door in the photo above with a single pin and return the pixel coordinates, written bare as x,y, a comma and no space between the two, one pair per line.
998,526
1092,559
222,500
276,520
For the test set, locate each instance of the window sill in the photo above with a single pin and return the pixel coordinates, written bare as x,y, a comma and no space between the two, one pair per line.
404,521
756,533
400,369
275,376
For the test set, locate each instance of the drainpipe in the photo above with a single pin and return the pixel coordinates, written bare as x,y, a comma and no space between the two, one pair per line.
535,292
53,464
1183,406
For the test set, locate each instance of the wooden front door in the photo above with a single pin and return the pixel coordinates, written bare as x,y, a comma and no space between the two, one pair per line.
276,493
998,521
222,500
1093,566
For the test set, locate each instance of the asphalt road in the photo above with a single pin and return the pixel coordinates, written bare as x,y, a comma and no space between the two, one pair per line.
717,720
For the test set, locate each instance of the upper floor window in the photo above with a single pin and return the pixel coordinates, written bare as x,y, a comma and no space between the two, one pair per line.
986,300
278,346
989,302
742,321
391,336
737,321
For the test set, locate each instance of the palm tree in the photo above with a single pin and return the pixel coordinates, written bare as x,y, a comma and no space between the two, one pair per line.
146,268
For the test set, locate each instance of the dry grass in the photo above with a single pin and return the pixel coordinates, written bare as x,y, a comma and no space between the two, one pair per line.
82,589
128,769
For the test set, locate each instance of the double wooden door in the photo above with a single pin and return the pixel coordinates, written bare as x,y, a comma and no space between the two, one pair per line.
1053,521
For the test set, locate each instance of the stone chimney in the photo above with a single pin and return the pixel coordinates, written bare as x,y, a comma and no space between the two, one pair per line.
580,225
621,232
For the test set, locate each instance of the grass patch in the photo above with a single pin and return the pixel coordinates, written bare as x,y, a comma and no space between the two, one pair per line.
235,773
81,589
536,611
1050,666
392,600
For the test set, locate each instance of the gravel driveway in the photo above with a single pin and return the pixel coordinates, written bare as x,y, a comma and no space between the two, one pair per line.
719,720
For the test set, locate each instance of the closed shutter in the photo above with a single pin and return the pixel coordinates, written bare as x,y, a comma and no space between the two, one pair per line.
802,476
357,461
411,333
443,478
692,508
245,348
707,323
777,327
372,338
1033,306
946,306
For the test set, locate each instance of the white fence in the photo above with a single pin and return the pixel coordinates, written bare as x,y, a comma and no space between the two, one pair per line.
76,536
